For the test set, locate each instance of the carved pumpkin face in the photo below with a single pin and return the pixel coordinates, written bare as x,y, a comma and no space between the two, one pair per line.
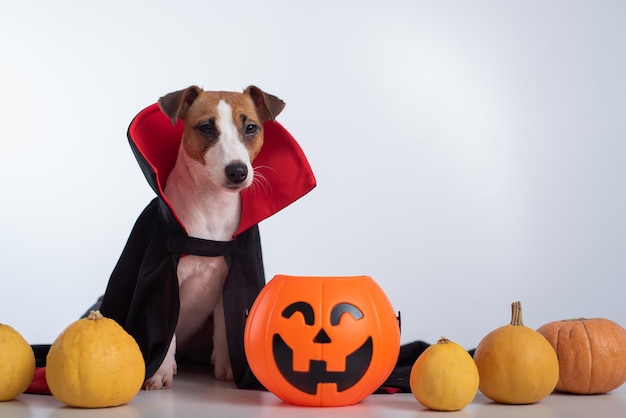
322,341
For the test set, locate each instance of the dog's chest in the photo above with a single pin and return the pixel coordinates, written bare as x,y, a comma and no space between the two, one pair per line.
218,222
205,274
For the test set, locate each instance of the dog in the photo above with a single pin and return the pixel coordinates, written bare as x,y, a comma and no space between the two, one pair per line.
223,133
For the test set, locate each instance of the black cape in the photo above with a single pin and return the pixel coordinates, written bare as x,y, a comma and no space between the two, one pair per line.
142,292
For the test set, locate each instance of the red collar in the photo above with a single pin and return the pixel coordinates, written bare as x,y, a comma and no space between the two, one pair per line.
285,169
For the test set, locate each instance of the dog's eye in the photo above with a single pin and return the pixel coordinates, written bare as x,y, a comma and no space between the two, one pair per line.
251,129
207,128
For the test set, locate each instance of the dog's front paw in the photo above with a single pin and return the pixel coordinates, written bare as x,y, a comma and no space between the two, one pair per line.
163,378
221,367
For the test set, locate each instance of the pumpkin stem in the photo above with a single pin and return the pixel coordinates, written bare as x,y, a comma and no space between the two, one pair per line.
516,313
95,315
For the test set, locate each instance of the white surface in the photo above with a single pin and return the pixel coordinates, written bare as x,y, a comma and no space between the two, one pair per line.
196,395
468,153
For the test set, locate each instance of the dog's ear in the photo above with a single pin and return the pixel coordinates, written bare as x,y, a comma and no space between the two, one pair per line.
267,105
176,104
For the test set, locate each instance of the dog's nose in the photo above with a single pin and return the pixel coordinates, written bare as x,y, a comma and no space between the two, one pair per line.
236,172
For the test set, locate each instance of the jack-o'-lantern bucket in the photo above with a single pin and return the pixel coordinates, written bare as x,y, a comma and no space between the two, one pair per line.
322,341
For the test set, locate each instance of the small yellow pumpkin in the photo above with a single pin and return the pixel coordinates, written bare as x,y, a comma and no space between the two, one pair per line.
94,363
17,363
591,352
517,365
444,377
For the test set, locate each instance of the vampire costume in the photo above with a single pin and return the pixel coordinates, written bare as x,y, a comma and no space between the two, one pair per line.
142,293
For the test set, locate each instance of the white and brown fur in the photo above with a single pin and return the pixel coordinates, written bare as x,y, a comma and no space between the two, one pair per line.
223,133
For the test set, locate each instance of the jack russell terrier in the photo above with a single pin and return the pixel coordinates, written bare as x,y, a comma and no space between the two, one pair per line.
223,133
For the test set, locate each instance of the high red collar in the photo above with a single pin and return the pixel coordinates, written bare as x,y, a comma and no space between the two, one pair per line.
286,173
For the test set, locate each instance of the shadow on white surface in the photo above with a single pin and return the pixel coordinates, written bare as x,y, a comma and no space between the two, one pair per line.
197,394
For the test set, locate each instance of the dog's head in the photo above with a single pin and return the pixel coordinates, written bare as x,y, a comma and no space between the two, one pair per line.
223,130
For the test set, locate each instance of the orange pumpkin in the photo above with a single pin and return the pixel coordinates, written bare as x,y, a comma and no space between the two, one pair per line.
322,341
515,363
591,352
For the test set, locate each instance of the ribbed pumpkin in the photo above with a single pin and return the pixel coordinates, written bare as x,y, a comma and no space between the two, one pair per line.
17,363
516,364
591,352
94,363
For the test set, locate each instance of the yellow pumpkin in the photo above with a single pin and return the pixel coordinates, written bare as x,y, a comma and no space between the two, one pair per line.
17,363
94,363
517,365
591,352
444,377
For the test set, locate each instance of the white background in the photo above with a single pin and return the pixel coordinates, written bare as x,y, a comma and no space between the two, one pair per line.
468,153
